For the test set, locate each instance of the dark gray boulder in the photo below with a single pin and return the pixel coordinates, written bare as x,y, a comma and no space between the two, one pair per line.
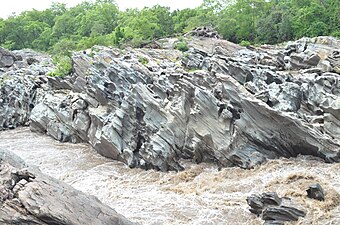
272,209
282,213
315,191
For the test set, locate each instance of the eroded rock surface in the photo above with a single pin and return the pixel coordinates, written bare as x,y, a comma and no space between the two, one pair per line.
218,103
29,197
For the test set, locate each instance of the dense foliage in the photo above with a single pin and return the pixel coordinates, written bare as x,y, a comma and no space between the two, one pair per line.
60,30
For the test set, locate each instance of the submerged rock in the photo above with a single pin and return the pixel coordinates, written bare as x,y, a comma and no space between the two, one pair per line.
315,191
218,103
30,197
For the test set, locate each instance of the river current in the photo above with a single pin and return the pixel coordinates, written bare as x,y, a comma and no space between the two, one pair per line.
199,195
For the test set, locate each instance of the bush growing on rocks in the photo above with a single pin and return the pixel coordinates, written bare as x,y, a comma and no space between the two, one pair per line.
182,45
63,66
245,43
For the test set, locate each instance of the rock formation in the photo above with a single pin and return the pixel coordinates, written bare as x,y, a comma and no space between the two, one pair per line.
21,73
273,209
218,102
30,197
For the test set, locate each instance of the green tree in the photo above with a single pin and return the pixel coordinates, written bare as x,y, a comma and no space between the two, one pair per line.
275,27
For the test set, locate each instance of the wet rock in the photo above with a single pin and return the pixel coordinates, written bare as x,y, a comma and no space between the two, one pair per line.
271,198
30,197
282,213
273,222
256,204
271,208
311,52
315,191
304,60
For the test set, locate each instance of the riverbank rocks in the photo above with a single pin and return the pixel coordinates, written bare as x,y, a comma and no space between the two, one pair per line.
218,102
30,197
272,209
19,81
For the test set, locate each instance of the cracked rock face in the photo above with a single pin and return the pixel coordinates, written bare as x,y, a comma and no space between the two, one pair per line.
29,197
217,103
19,81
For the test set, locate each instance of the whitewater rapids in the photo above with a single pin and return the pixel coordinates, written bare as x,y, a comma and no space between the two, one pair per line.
201,194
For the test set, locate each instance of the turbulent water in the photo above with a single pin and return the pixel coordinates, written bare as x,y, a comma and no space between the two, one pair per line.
199,195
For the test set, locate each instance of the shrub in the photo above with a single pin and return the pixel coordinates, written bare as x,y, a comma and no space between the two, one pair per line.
63,66
245,43
143,60
182,46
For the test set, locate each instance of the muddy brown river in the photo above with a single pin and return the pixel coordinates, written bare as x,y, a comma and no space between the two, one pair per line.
199,195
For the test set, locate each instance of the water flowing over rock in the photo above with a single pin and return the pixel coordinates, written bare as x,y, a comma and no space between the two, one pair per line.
268,205
30,197
218,103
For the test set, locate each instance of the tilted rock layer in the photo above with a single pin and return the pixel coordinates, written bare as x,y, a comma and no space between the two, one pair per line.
30,197
218,102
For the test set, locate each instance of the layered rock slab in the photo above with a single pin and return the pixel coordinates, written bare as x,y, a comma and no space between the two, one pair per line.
30,197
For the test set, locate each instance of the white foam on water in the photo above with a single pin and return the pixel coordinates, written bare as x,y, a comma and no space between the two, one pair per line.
199,195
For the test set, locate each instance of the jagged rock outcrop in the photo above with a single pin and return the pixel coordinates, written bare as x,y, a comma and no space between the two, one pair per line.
273,209
21,74
218,102
30,197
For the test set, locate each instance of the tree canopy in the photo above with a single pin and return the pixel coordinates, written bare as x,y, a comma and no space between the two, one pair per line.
60,29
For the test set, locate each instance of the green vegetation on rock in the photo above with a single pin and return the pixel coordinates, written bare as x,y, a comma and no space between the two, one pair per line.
245,43
59,30
182,45
143,60
63,65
